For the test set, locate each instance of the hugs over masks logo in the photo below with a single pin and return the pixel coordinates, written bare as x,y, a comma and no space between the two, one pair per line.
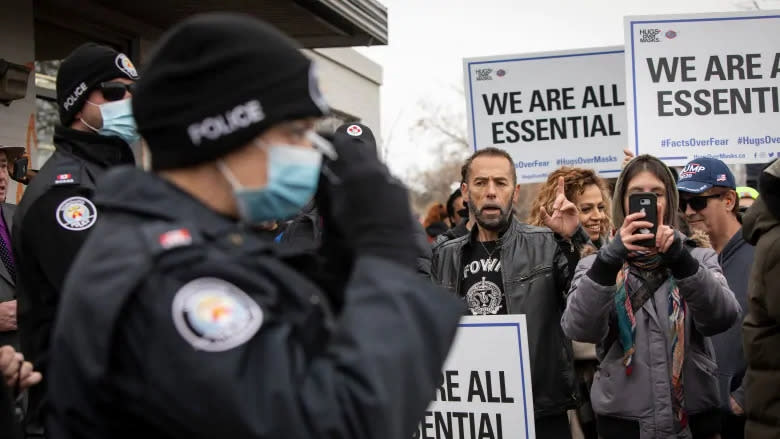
649,35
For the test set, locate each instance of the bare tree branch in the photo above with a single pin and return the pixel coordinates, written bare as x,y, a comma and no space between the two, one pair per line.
445,130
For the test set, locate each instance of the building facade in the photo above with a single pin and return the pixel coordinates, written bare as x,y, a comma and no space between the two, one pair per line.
37,34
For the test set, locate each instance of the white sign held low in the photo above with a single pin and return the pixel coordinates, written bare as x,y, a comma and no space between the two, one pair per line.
485,389
704,85
550,109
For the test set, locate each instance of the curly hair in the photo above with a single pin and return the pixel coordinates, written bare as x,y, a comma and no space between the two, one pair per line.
575,181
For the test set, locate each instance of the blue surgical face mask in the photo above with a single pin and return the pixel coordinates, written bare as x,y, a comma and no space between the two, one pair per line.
293,174
117,121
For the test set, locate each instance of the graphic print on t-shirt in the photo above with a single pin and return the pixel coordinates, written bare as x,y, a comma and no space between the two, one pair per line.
482,283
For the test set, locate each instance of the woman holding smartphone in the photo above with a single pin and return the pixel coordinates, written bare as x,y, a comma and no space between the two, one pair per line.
649,298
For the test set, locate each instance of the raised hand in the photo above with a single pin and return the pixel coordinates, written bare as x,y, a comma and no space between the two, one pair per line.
628,156
631,224
565,218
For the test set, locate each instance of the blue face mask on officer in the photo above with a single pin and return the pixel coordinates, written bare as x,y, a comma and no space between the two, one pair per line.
117,120
293,175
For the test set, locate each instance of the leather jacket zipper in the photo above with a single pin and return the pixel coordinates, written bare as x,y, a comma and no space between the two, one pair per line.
534,272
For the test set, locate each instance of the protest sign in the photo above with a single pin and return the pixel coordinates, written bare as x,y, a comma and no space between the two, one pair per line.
549,109
485,387
704,85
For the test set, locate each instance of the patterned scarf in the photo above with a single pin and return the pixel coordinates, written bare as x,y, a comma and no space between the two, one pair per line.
627,325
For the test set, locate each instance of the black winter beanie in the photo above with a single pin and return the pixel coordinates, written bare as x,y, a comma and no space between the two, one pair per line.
84,69
355,132
215,82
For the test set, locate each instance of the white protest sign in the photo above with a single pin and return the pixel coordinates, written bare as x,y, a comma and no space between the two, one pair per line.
485,390
549,109
704,85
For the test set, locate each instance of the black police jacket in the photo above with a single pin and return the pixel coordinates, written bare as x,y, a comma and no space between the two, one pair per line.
50,224
537,266
197,328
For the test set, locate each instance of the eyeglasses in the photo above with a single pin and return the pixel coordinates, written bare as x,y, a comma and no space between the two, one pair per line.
115,91
697,203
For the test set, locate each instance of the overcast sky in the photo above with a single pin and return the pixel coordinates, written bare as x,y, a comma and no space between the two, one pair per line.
430,38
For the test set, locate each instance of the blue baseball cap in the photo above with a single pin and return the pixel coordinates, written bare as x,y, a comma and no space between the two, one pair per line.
700,175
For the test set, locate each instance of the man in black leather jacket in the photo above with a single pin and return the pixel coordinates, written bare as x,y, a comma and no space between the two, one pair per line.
505,267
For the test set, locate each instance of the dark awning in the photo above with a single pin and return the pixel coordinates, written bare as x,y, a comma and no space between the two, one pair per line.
314,23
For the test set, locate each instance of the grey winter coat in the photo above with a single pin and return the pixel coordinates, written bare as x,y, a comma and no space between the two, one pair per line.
645,395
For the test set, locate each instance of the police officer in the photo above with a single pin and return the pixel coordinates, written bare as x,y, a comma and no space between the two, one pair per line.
196,327
57,213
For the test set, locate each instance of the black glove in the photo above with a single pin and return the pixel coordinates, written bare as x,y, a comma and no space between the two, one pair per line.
362,204
336,255
610,259
614,252
679,259
675,250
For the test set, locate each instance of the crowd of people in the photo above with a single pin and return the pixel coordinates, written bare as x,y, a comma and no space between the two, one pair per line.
658,315
264,279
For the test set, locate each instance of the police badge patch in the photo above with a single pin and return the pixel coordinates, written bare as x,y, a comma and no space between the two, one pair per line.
124,64
214,315
76,213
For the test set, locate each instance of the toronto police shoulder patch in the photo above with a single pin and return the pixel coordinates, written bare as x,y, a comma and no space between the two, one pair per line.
214,315
76,213
65,178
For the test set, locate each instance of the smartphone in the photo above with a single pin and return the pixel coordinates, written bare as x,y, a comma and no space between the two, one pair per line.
645,202
20,169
